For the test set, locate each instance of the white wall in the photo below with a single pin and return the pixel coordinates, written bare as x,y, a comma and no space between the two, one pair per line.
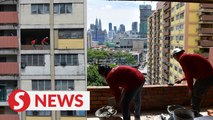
75,19
72,70
38,70
26,85
80,85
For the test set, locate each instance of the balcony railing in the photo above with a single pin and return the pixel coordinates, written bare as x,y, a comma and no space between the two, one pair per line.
207,6
205,55
9,68
8,42
206,18
206,31
166,15
167,6
8,17
9,117
166,32
37,47
206,43
166,24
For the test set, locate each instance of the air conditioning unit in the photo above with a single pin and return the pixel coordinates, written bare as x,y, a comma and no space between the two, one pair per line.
23,65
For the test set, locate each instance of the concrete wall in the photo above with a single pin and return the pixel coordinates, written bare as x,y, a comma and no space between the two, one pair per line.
72,70
155,97
38,70
59,70
42,20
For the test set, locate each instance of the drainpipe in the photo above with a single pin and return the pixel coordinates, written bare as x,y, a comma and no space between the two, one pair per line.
52,66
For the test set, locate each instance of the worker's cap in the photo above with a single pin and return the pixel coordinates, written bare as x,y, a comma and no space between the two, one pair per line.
176,51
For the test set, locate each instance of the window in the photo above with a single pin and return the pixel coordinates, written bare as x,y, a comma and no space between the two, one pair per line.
171,37
172,9
177,27
181,26
181,4
73,113
33,60
171,28
180,71
182,15
177,16
71,34
177,37
181,37
41,85
38,113
64,85
176,68
63,8
172,19
66,59
177,5
40,8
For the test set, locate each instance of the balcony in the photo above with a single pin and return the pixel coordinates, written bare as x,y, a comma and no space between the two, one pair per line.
208,18
205,55
9,117
206,31
167,6
206,6
166,24
9,18
9,42
206,43
154,97
166,33
165,50
37,47
9,68
166,16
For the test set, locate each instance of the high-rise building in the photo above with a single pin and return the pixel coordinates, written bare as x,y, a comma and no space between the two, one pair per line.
187,26
135,27
145,12
59,65
122,28
96,32
153,41
110,26
9,55
115,28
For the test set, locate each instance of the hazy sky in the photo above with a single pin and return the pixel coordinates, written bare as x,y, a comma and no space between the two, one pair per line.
116,12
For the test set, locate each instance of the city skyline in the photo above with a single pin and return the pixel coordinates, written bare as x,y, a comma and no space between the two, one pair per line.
115,12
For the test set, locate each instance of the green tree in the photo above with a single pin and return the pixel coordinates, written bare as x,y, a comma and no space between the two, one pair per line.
96,55
124,58
93,77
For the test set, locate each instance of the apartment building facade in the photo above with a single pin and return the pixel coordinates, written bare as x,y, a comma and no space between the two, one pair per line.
9,54
187,26
59,64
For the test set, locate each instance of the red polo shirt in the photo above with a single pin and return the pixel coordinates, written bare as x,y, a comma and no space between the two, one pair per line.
126,77
195,66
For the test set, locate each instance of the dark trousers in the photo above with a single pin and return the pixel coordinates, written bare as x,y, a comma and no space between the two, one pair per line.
199,89
125,102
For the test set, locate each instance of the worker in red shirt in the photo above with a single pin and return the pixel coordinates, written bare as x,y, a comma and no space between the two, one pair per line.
44,41
195,67
33,43
131,80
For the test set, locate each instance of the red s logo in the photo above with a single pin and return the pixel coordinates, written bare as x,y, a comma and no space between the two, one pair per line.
19,100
